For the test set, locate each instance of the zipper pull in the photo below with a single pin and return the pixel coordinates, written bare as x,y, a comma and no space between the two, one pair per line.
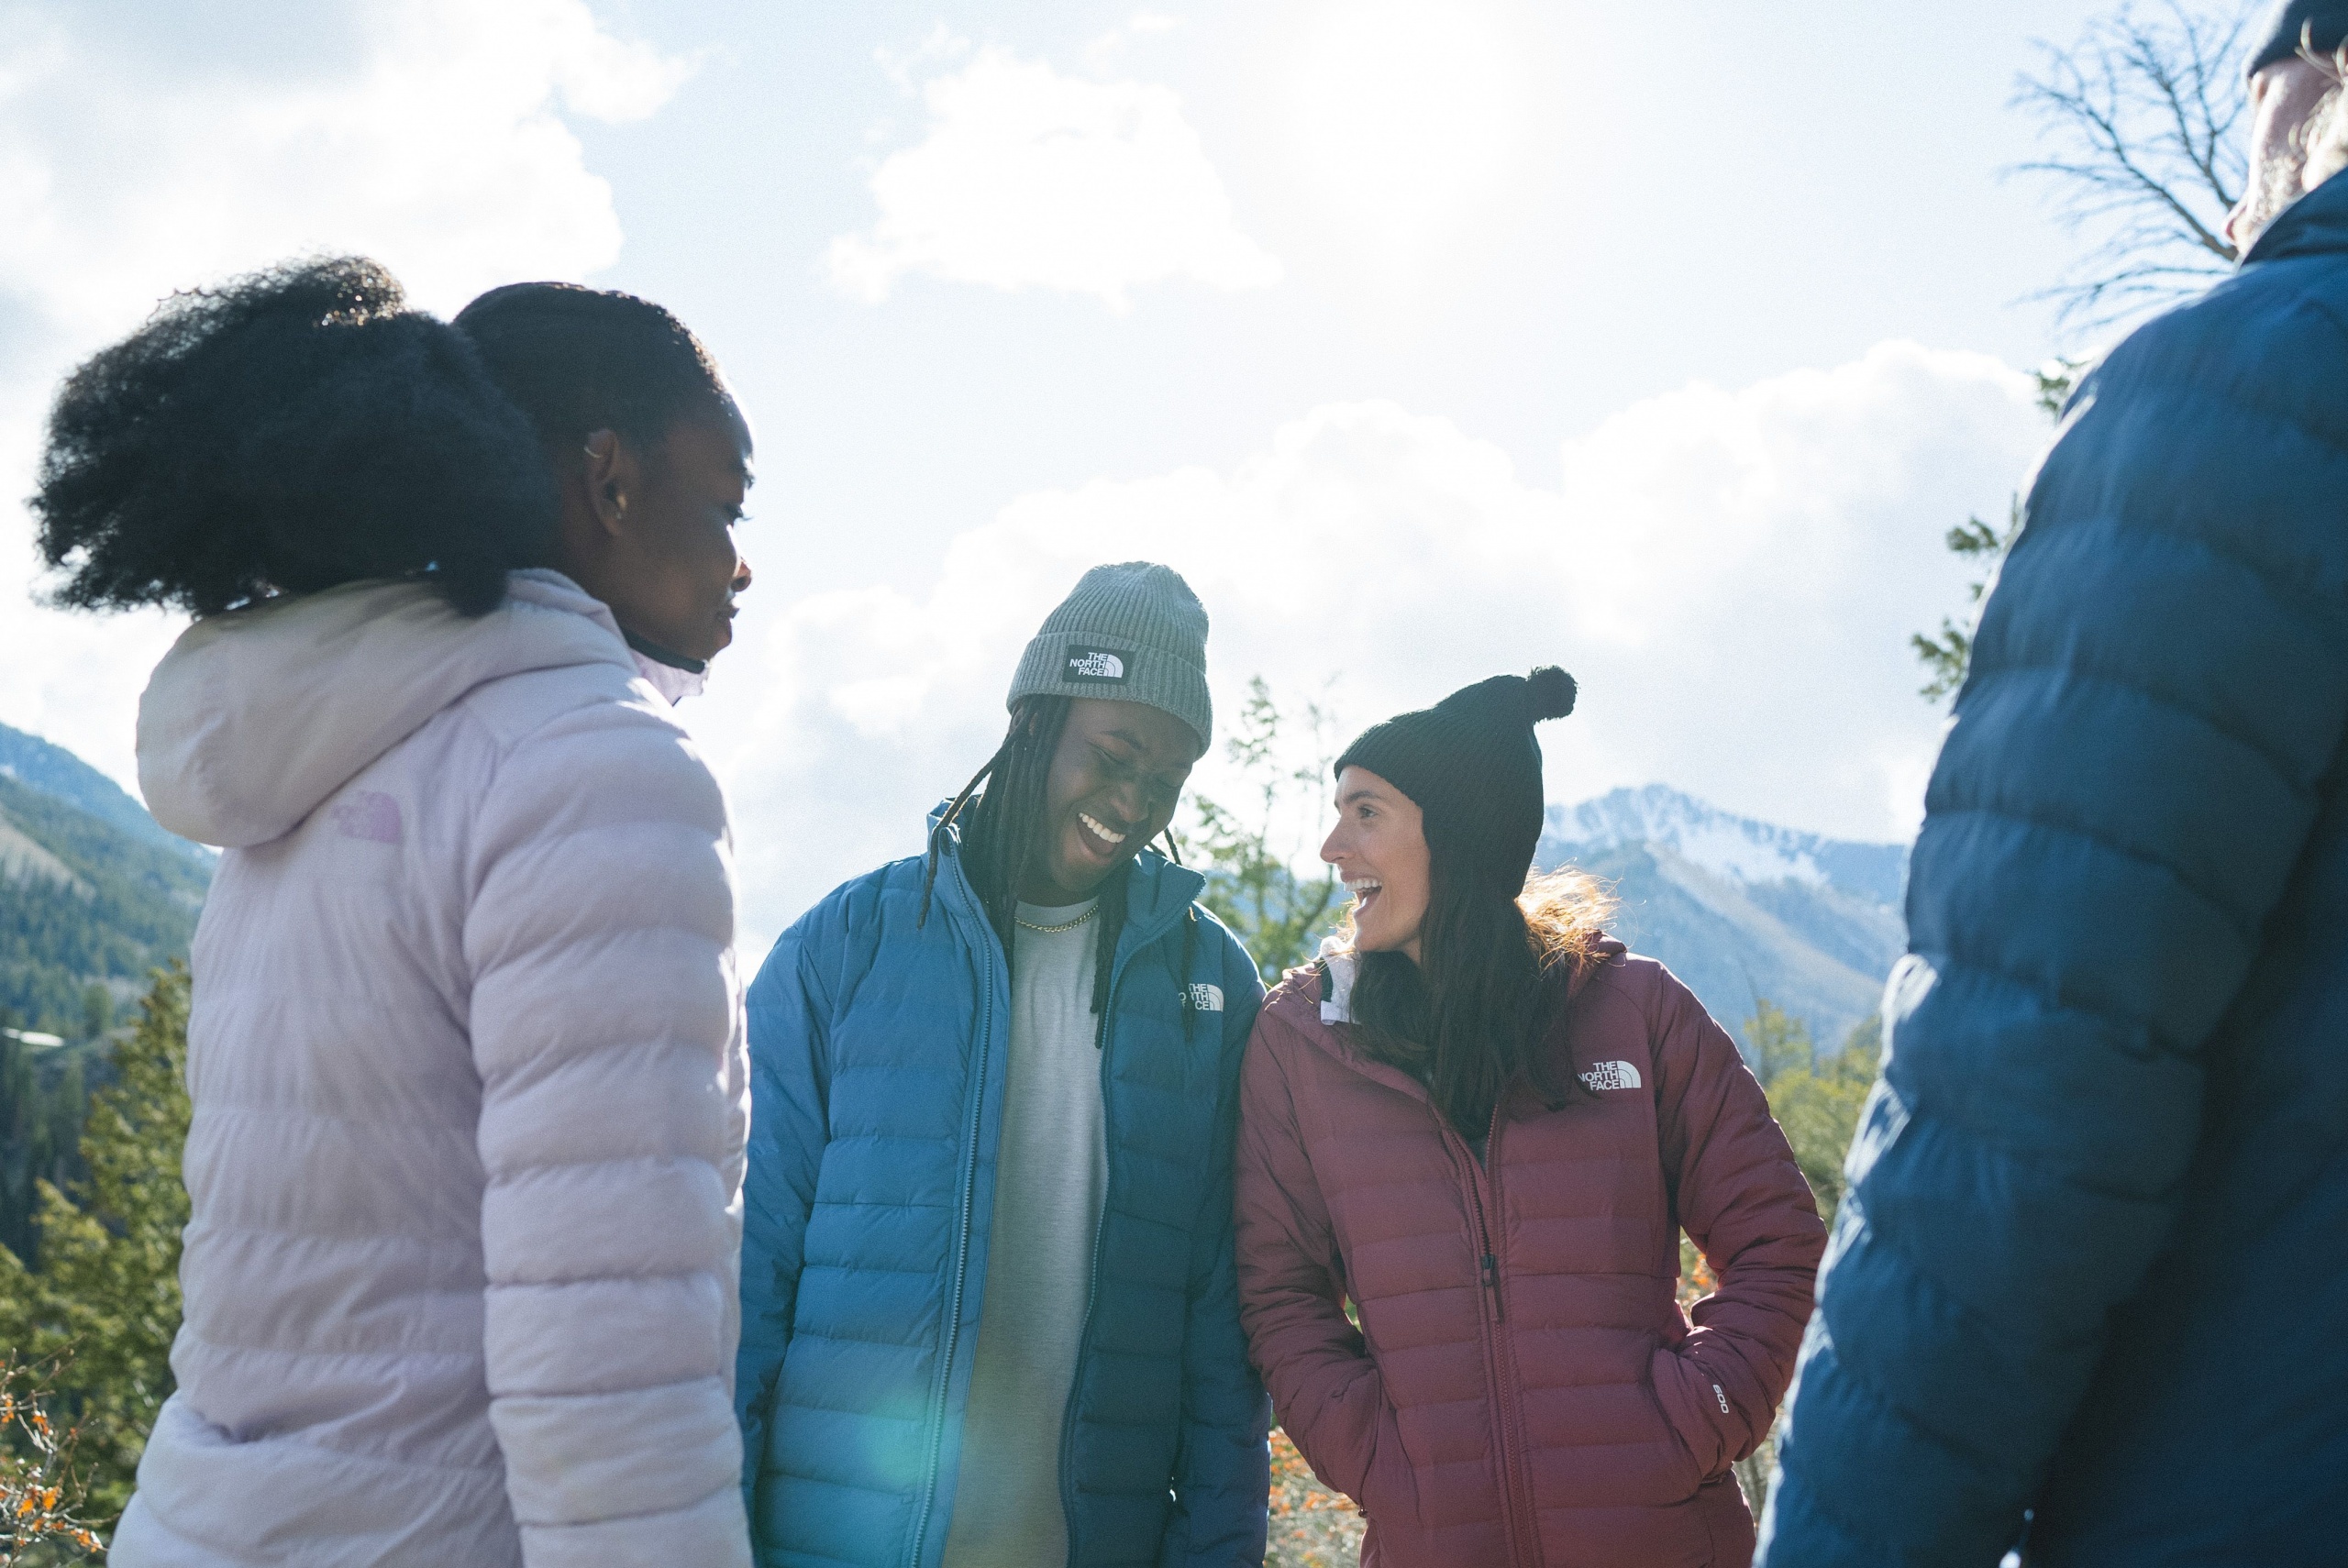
1492,1283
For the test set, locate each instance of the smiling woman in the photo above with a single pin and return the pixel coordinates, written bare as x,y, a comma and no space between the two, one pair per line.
1468,1147
649,454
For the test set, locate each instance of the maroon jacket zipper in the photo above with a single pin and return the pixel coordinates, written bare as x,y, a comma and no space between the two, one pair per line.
1524,1543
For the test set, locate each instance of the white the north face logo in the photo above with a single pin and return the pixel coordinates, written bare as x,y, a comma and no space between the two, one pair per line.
1611,1075
1205,998
1097,666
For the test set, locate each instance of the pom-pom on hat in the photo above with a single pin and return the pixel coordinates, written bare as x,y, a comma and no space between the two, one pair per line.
1473,767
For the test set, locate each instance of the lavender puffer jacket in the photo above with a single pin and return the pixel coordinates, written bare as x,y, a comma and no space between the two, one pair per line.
470,1094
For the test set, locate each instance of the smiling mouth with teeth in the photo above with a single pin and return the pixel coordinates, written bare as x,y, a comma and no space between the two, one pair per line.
1364,891
1098,829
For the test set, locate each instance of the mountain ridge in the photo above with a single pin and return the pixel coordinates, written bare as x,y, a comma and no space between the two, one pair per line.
95,892
1742,911
44,765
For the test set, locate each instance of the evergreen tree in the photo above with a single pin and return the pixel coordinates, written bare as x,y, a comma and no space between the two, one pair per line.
1947,655
42,1106
106,1301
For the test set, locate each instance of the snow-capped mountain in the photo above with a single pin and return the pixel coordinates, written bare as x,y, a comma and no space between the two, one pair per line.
1741,910
1736,847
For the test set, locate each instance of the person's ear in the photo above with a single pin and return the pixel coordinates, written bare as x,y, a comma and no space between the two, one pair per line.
612,473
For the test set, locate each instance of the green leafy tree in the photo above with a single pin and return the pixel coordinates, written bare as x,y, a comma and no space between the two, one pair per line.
1777,1041
1816,1100
106,1301
1249,849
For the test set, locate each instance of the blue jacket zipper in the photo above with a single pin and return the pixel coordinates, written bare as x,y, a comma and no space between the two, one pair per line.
1099,1226
961,1260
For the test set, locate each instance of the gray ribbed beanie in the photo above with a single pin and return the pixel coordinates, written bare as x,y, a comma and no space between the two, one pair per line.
1134,632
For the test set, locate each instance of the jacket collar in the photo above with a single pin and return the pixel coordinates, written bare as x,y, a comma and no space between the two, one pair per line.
1158,892
2315,225
1324,1001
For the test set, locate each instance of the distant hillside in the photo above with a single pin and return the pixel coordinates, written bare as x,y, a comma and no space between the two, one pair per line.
1741,910
57,772
93,893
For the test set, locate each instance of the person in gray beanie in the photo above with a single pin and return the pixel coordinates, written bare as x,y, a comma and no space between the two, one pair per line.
989,1315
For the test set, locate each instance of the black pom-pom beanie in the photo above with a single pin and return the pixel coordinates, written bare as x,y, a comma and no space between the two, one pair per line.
1473,767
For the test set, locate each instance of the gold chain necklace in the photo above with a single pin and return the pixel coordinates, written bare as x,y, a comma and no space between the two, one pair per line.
1070,925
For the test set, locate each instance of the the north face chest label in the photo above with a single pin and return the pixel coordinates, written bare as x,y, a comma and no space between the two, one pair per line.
1205,998
1096,667
1610,1075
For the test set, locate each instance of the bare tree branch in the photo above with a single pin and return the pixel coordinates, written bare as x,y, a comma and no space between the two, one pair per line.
2142,118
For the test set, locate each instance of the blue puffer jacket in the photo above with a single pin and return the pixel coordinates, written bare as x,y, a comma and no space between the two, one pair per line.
878,1047
2091,1263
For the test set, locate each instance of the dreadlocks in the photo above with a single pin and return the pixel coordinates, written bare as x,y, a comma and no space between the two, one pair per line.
1006,803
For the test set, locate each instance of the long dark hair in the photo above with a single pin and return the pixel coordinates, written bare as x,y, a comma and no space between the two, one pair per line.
1003,812
284,433
1472,1016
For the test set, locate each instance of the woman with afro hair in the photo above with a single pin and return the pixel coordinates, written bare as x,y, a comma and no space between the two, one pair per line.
465,1056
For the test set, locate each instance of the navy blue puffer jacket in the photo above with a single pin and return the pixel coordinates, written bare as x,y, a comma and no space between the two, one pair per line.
877,1048
2092,1264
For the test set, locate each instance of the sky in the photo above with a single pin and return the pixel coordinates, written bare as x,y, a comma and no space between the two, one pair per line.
1428,339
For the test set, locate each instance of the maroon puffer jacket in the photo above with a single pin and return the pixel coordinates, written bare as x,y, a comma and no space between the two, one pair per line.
1525,1392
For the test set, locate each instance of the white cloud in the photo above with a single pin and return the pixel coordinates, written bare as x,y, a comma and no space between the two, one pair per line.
1409,114
143,151
1028,178
438,145
1733,575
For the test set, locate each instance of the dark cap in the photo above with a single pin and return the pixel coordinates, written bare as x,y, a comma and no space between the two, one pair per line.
2319,26
1473,767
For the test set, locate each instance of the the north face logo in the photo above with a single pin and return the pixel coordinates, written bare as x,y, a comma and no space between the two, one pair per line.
1205,998
1605,1075
367,814
1097,665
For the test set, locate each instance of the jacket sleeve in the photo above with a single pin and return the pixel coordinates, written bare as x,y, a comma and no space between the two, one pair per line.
1326,1388
2158,687
790,1019
604,1020
1742,1199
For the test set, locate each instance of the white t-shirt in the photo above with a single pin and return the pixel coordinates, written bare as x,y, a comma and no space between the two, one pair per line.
1051,1171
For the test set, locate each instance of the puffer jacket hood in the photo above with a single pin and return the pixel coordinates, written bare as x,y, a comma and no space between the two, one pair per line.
1522,1387
256,716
